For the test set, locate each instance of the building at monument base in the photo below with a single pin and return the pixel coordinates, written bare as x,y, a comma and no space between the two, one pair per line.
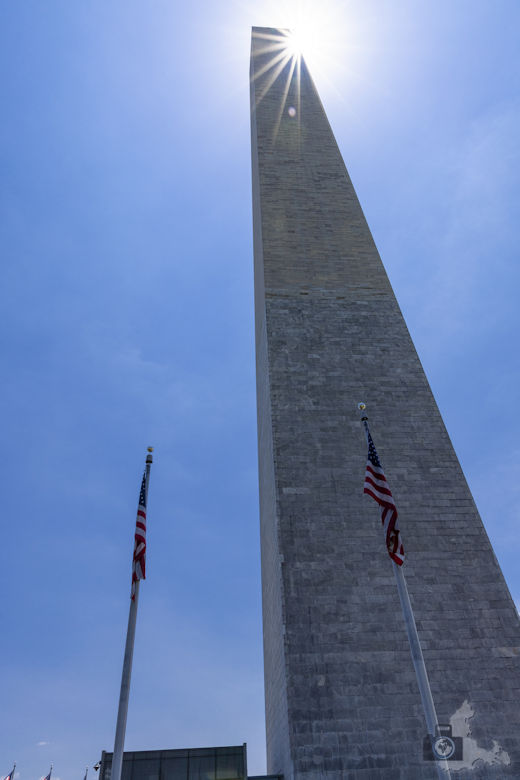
341,695
214,763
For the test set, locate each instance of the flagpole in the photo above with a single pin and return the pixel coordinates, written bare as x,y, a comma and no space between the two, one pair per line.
423,682
430,714
119,742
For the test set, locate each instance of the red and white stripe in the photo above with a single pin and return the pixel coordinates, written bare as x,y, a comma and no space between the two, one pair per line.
376,486
139,558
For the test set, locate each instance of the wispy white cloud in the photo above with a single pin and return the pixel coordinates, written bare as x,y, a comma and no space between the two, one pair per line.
41,743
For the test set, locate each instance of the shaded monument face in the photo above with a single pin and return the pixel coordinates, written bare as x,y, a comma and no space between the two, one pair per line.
341,694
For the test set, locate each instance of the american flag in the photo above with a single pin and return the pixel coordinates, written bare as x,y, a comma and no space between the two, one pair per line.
139,560
376,486
11,774
49,775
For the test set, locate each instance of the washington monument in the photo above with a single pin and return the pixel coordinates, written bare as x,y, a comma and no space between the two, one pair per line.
342,699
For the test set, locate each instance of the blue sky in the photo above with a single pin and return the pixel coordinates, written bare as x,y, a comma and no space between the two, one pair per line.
127,320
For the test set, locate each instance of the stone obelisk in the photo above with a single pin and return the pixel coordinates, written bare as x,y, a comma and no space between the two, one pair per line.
341,695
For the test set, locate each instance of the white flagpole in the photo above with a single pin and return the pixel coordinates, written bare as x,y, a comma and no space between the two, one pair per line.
119,742
423,682
430,714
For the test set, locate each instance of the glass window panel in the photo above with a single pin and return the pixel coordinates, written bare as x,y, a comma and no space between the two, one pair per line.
126,769
145,769
174,753
198,752
230,767
202,768
174,768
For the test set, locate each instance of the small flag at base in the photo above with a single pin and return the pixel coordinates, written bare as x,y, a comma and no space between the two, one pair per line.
376,486
139,559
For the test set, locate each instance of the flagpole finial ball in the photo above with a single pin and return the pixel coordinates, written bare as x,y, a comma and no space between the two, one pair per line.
361,406
150,449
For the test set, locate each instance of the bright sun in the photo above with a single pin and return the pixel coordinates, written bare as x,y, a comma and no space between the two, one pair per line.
317,31
298,41
324,33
